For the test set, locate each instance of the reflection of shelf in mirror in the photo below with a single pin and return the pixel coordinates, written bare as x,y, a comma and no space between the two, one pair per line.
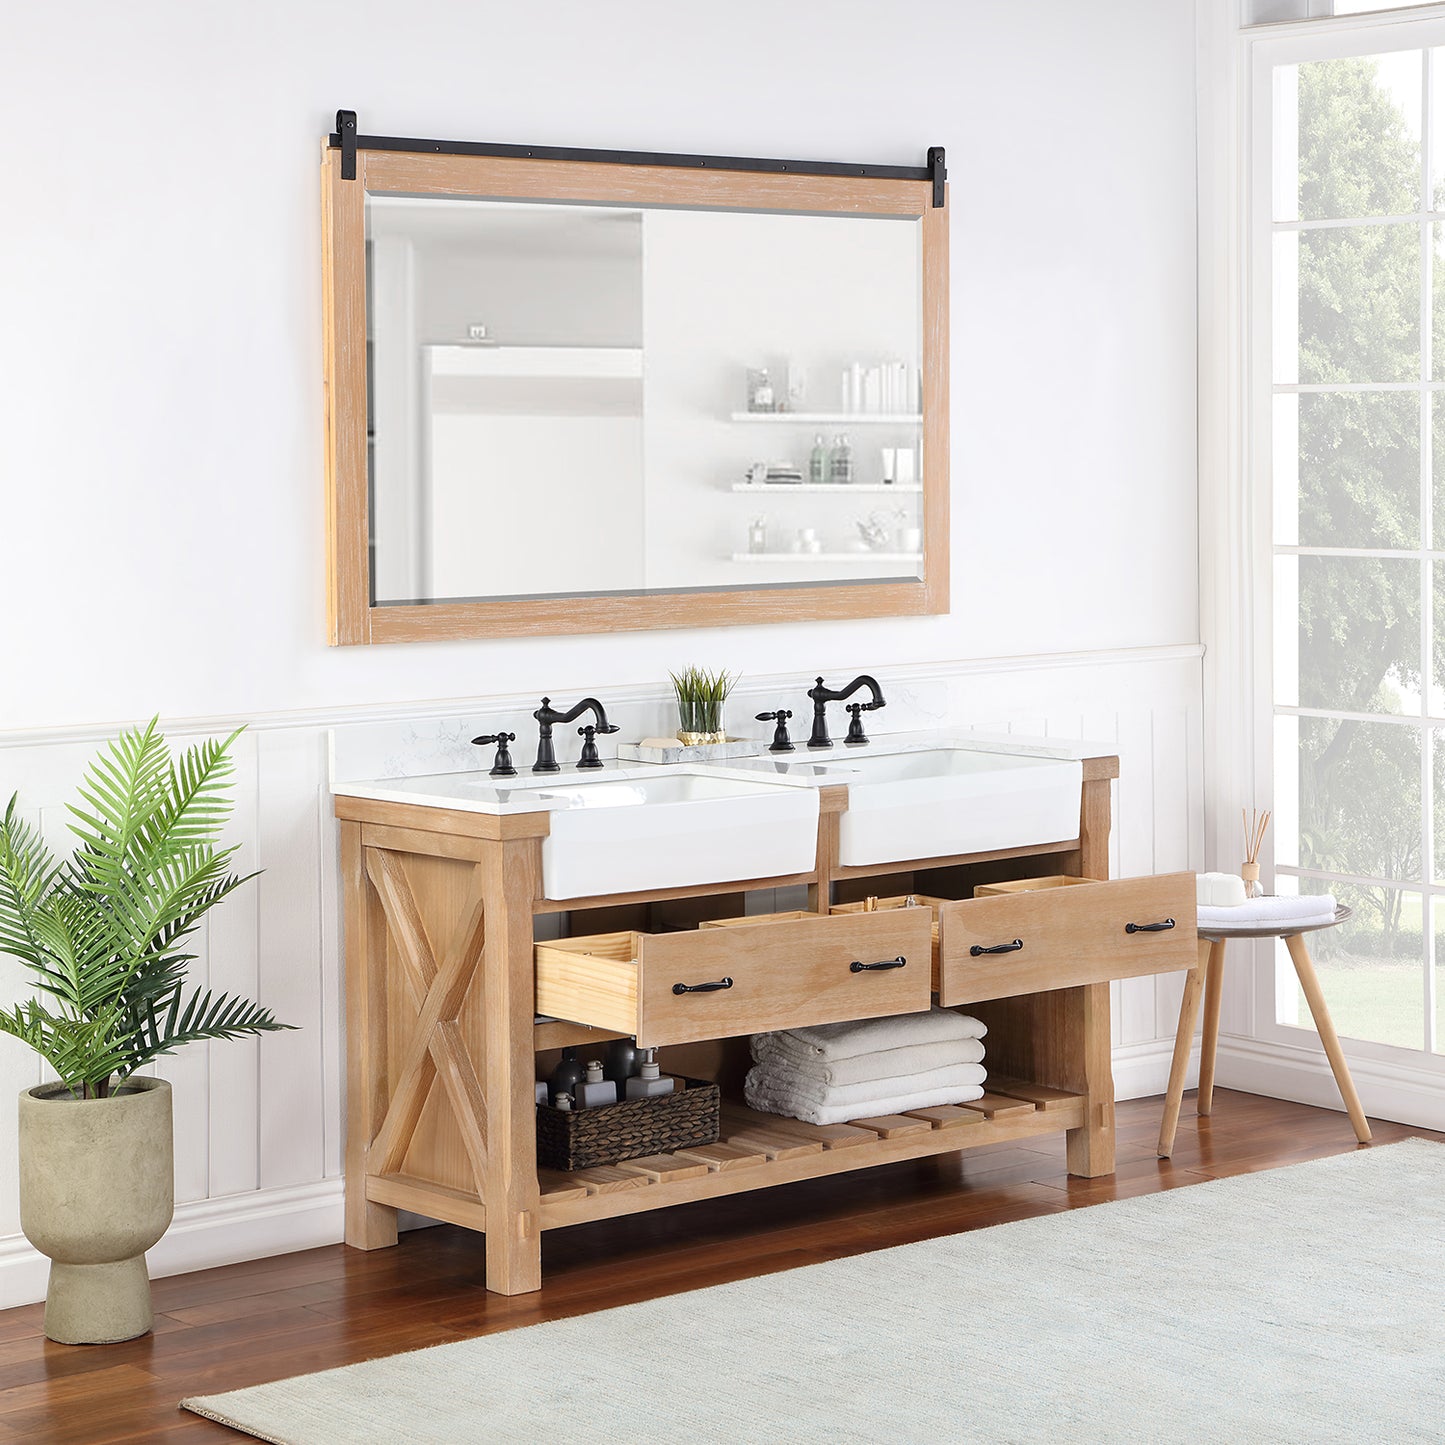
773,489
540,362
827,556
534,381
832,418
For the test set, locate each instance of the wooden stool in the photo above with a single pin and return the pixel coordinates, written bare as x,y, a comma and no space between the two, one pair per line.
1209,976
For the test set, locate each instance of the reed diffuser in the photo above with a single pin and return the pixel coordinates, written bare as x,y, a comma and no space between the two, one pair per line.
700,698
1255,825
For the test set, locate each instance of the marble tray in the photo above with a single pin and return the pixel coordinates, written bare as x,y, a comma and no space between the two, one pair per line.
670,750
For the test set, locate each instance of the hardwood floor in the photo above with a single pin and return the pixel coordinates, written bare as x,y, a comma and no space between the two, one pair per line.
226,1328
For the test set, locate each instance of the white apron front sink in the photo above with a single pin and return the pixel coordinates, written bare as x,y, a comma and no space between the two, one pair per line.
630,835
945,801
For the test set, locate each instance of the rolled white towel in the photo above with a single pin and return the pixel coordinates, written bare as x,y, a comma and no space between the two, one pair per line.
783,1048
847,1041
1271,912
1219,890
792,1087
770,1103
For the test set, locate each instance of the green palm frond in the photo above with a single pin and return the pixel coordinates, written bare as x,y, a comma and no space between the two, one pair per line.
103,931
26,873
203,1016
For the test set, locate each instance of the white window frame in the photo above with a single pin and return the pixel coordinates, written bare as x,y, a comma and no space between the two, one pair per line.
1264,51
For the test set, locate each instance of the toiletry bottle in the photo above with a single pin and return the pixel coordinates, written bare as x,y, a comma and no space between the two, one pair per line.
758,535
544,1092
623,1057
840,466
563,1102
567,1075
594,1089
818,461
649,1083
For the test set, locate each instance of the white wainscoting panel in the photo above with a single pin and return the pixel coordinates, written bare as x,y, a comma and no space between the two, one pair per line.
259,1123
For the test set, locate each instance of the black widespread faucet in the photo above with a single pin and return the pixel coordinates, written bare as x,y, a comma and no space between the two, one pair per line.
547,716
822,695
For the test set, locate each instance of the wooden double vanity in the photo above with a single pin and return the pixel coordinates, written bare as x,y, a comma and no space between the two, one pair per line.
448,972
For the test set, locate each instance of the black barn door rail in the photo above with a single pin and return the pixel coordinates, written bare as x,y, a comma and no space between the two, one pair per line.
347,141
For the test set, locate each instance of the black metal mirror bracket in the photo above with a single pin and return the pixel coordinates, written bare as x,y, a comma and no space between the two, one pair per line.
346,139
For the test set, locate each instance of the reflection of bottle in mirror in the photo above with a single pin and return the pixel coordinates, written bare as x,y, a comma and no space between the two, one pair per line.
840,465
758,535
818,461
760,391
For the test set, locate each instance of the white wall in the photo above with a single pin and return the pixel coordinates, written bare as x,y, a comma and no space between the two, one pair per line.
160,358
161,447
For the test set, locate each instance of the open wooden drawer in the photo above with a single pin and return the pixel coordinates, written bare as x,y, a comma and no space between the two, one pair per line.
712,983
1027,942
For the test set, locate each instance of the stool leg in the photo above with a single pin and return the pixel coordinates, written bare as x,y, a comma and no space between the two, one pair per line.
1209,1047
1315,997
1188,1013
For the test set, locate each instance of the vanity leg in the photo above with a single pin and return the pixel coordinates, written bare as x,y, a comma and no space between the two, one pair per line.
1091,1148
514,1238
368,1225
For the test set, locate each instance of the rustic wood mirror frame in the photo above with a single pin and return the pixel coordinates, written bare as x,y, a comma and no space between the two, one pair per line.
409,168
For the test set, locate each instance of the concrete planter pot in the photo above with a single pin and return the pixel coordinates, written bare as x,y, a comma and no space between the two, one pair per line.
96,1191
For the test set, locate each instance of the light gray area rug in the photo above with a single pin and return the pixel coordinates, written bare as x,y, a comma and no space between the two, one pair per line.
1305,1303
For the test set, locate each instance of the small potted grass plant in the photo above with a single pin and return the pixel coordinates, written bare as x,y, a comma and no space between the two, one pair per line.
700,698
104,932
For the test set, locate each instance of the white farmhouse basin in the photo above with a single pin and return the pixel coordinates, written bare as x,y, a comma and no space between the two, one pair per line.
944,801
623,835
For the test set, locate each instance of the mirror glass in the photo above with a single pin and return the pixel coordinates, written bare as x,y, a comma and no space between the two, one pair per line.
602,399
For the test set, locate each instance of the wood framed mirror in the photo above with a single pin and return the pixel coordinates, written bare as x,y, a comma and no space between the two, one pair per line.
572,392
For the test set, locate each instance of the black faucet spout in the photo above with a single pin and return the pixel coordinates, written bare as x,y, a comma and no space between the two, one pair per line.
548,717
822,695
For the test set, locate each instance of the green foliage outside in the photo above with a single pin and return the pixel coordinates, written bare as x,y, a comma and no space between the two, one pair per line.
103,930
1359,461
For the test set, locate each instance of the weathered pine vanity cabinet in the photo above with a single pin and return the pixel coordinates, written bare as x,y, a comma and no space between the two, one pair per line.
444,980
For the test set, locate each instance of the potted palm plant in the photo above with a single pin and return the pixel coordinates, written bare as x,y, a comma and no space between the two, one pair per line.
104,932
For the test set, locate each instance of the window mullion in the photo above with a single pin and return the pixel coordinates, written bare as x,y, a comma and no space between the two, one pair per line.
1427,538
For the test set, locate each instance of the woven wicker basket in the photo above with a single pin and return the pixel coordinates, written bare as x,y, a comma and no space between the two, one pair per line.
580,1138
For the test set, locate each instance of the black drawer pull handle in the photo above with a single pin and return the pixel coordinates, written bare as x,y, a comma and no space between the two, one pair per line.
702,987
1149,927
856,967
978,949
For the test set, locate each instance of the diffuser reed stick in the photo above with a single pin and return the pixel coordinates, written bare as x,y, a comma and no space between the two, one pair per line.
1255,826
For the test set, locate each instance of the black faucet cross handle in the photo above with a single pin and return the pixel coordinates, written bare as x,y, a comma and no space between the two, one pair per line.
590,758
856,736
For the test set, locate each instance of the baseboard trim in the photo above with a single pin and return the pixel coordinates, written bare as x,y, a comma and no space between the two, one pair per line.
1142,1070
206,1233
1387,1090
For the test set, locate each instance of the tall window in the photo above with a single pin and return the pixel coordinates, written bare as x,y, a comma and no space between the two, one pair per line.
1358,169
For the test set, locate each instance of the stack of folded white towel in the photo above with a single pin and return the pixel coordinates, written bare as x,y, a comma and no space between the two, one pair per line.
837,1072
1271,912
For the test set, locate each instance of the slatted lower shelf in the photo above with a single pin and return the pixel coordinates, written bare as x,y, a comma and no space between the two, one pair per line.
757,1151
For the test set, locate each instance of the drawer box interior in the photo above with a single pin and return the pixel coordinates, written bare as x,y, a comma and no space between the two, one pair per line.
1029,885
595,979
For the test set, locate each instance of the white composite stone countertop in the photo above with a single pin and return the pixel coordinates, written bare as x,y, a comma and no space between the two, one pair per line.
474,791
